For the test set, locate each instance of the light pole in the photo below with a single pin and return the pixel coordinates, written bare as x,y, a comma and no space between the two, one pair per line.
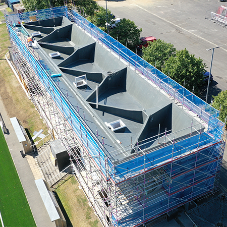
210,69
106,19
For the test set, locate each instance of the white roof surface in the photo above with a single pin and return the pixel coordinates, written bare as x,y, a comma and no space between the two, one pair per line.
47,200
17,129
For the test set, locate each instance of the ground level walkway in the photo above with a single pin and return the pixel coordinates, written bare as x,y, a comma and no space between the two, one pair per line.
25,174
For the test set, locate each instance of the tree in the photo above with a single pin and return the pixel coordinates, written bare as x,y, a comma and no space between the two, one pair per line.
158,52
186,69
127,33
31,5
99,18
56,3
87,7
220,103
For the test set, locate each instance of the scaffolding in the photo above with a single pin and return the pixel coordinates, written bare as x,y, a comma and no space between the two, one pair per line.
151,181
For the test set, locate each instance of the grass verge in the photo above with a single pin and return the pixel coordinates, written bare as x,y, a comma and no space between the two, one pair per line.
9,10
15,101
13,203
76,205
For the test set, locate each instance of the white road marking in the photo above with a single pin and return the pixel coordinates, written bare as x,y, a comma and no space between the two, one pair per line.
189,31
1,219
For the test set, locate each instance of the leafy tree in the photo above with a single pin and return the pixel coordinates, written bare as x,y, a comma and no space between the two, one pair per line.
157,52
56,3
220,103
127,33
186,69
88,7
99,18
31,5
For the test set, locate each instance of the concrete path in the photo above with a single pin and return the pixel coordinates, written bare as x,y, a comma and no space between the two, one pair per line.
25,174
3,7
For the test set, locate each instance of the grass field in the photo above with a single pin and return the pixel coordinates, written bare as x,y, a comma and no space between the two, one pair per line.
75,204
13,203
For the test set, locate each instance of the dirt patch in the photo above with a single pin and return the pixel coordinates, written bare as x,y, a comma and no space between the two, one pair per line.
76,205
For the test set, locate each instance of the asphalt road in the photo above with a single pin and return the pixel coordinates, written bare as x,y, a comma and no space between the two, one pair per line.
184,23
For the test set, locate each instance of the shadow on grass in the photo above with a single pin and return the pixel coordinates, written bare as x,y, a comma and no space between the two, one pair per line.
68,222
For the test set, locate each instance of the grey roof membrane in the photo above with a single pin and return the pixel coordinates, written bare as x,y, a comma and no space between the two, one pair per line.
122,93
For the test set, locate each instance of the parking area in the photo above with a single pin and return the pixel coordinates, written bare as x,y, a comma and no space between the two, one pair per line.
186,24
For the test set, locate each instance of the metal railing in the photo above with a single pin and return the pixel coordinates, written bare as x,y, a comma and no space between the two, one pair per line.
222,20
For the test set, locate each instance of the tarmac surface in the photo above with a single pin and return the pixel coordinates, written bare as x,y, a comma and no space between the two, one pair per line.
26,176
186,24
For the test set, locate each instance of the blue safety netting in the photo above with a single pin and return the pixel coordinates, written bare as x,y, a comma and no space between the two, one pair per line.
89,141
179,152
160,157
150,210
188,99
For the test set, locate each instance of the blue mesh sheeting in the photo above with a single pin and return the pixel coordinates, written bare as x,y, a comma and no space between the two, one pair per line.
166,203
182,152
160,157
85,135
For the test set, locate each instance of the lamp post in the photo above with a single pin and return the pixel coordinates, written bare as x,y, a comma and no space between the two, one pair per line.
210,69
106,19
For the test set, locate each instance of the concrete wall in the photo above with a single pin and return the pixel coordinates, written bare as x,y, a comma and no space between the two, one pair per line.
142,91
79,37
39,28
85,53
116,80
61,49
133,115
62,160
97,77
63,33
50,22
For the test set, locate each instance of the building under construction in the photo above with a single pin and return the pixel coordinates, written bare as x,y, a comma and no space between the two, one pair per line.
139,143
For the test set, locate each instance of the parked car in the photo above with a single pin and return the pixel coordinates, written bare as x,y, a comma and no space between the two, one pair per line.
144,41
206,77
113,23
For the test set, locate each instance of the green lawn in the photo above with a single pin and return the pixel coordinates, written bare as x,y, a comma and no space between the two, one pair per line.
13,203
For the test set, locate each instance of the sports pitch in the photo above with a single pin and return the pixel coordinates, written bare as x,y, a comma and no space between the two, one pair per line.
13,203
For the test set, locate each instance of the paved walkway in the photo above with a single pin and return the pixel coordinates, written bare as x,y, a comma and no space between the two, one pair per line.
26,176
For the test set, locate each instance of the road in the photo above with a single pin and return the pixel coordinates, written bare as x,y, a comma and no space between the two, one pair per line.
184,23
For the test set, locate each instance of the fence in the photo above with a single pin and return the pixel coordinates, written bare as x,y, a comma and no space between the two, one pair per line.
222,20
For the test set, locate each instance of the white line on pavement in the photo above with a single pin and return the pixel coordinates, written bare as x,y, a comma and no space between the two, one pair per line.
214,45
1,219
